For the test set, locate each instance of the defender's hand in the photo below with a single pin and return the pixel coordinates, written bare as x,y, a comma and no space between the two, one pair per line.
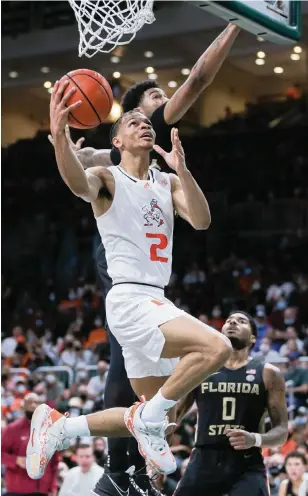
58,110
176,158
240,440
75,146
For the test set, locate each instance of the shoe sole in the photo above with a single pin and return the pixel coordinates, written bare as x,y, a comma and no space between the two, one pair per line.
34,458
128,419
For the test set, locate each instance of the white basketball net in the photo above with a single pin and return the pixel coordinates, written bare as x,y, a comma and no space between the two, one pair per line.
104,24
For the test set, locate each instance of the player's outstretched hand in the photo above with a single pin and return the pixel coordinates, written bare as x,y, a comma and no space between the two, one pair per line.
75,146
58,110
240,440
176,158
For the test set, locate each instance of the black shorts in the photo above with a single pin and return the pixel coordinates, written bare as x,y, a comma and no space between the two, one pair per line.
223,472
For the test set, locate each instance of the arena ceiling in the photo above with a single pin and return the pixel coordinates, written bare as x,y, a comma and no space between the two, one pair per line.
44,34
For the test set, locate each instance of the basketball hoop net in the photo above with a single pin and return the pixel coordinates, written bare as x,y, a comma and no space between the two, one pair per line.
105,24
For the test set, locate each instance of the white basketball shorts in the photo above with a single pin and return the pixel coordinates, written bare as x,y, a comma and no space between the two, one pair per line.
134,314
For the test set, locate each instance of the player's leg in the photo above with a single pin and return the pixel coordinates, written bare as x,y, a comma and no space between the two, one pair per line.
122,452
203,351
252,483
51,431
199,476
118,392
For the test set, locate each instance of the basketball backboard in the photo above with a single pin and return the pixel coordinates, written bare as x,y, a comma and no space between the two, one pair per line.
275,20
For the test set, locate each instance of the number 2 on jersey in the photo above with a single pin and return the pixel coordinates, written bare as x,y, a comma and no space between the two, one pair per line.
163,243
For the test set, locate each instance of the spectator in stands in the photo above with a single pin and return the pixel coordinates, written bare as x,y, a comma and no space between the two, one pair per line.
99,447
298,377
80,480
9,344
15,438
263,327
97,384
295,345
216,320
194,276
55,388
68,355
297,481
266,352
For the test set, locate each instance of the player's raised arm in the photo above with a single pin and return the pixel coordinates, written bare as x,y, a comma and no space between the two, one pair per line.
188,199
86,186
201,76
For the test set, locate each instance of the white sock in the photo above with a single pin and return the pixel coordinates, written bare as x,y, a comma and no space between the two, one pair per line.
156,409
75,427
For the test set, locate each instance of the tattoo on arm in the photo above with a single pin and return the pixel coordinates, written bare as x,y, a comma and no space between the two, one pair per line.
201,76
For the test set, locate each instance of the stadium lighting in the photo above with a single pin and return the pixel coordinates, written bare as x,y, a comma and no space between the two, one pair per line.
278,70
116,74
13,74
185,72
116,111
260,61
45,69
47,85
148,54
114,59
297,49
295,56
149,70
261,55
152,76
172,84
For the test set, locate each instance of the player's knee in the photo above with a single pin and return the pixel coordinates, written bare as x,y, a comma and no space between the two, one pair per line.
221,349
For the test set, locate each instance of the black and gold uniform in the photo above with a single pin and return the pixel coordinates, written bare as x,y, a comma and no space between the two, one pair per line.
227,399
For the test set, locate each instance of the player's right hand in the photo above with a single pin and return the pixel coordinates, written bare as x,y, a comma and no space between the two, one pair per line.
58,110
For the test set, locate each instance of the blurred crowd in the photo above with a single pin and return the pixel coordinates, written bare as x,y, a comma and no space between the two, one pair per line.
254,257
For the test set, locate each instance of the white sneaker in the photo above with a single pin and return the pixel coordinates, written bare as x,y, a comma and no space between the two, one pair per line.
151,439
46,437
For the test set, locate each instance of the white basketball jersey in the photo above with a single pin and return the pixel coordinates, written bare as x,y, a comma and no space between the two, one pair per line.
137,230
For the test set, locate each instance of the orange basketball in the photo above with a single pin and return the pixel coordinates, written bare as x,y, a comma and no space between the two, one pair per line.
96,95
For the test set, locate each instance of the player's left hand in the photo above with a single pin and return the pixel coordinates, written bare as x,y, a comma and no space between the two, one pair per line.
240,440
176,158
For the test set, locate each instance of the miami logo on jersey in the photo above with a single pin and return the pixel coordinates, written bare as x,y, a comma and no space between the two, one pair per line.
153,214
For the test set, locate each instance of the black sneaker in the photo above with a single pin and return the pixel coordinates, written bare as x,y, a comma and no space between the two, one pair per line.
112,484
140,485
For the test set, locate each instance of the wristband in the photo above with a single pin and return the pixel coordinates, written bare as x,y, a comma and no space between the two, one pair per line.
258,440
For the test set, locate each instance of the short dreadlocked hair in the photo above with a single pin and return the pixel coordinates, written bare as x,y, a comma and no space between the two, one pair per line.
252,323
132,98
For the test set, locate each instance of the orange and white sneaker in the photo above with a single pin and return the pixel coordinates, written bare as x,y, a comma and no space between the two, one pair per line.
151,439
46,437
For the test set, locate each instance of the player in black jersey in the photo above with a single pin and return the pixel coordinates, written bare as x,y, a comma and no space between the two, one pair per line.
227,458
164,112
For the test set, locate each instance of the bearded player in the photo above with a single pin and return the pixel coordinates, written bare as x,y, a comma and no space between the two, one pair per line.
227,458
152,332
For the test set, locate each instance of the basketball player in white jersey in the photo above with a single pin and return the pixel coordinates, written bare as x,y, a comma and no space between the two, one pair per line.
134,206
